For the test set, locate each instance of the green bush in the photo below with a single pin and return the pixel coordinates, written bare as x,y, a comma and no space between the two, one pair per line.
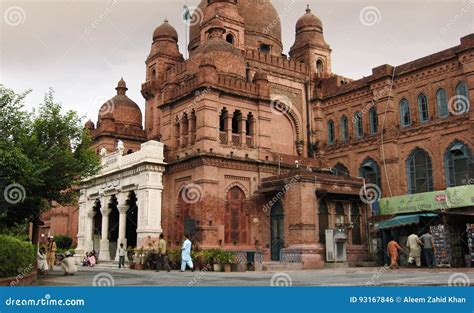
63,242
16,256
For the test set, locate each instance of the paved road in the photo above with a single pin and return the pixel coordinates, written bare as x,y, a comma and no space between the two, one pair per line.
325,277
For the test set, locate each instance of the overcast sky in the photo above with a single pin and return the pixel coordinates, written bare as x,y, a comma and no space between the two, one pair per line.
82,48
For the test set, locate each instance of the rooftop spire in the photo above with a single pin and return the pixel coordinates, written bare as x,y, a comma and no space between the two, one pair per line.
121,87
308,9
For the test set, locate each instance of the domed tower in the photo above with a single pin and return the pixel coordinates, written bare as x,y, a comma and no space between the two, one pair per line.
164,52
261,24
119,118
310,46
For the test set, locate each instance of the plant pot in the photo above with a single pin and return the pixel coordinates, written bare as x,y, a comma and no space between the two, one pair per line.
140,267
217,267
131,266
227,268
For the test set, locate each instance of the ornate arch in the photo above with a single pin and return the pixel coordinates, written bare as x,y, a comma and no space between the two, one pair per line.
236,184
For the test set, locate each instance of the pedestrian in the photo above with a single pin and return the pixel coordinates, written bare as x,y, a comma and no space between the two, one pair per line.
428,249
162,261
51,252
414,246
42,261
68,265
186,254
392,250
122,252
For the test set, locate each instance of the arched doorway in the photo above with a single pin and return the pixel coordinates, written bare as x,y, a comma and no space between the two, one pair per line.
97,225
185,216
113,226
277,231
236,219
132,220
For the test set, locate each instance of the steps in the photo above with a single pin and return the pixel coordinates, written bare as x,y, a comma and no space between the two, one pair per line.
281,267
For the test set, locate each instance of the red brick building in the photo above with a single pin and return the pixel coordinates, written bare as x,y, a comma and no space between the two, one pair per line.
264,151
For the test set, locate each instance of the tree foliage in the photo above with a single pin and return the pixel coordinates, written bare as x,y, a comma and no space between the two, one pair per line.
44,154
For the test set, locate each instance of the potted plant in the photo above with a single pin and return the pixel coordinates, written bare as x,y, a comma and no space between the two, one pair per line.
227,258
130,253
214,257
140,259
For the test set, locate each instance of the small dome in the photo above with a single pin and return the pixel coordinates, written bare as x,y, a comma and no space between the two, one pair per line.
309,21
121,108
89,125
165,30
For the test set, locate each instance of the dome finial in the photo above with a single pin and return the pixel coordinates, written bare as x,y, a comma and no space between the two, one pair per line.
308,9
121,87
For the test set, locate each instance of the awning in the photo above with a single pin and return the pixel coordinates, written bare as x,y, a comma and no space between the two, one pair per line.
403,220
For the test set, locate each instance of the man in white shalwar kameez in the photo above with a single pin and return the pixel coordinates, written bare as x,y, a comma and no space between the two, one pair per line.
414,246
186,254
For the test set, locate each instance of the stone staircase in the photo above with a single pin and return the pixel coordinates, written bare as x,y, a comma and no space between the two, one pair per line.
281,267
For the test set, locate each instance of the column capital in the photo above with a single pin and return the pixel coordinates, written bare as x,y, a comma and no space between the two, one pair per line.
105,212
122,208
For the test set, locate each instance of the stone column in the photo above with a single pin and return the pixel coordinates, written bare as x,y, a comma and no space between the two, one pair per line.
122,207
81,229
104,242
242,130
89,244
229,128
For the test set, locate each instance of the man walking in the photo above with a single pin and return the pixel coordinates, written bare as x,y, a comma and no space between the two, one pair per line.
162,261
413,244
392,250
186,254
428,249
122,252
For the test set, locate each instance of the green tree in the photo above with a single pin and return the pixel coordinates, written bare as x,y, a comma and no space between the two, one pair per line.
44,155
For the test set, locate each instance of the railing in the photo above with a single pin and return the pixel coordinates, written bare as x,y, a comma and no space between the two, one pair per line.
248,141
223,137
236,139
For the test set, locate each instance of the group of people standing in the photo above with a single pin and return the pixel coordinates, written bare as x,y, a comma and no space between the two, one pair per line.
415,246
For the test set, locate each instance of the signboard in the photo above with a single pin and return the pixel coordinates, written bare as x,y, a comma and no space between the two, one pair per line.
456,197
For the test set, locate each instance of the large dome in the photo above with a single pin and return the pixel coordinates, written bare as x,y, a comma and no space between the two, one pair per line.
121,108
262,24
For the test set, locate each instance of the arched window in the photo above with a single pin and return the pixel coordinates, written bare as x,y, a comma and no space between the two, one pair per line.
374,121
405,117
323,217
419,171
236,127
236,219
331,135
462,99
229,38
442,103
319,66
370,172
459,164
358,126
340,170
344,128
153,74
355,220
423,107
